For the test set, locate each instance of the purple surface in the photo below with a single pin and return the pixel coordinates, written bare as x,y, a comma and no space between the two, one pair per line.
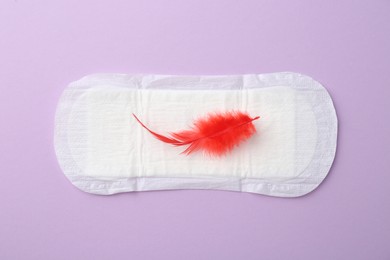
46,44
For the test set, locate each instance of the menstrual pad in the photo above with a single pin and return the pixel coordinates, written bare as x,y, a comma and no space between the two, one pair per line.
102,148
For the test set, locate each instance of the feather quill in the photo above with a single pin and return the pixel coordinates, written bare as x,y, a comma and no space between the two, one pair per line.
215,134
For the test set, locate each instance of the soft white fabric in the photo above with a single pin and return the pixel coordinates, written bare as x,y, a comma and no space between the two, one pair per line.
102,149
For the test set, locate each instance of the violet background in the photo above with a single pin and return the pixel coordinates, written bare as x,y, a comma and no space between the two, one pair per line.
44,45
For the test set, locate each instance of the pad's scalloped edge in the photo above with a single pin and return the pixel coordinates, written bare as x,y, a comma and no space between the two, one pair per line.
287,188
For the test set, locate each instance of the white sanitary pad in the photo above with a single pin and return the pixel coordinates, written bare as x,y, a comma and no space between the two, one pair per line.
102,149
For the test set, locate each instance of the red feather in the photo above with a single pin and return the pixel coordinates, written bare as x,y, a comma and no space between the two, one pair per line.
215,134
